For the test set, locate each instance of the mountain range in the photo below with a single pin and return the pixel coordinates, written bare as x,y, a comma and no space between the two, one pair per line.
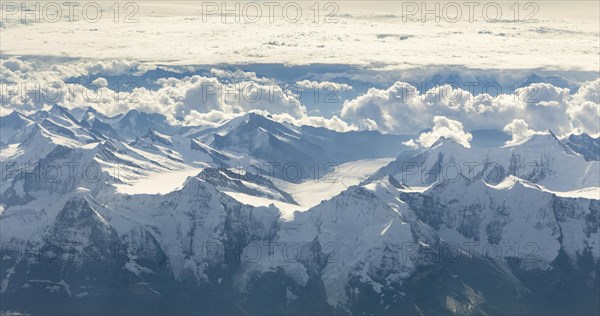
133,214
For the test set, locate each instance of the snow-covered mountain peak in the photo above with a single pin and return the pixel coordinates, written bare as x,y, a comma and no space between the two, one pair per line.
11,125
156,136
545,142
91,115
541,159
39,137
585,145
253,123
512,182
59,121
60,111
14,119
136,123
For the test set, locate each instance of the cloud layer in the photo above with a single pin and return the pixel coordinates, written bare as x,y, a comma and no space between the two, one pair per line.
191,100
446,128
402,109
221,94
373,37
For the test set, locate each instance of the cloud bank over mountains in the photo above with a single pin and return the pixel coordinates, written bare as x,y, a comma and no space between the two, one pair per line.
401,108
376,58
211,98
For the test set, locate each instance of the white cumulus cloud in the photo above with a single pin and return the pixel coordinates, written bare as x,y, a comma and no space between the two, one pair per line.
447,128
519,129
401,109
